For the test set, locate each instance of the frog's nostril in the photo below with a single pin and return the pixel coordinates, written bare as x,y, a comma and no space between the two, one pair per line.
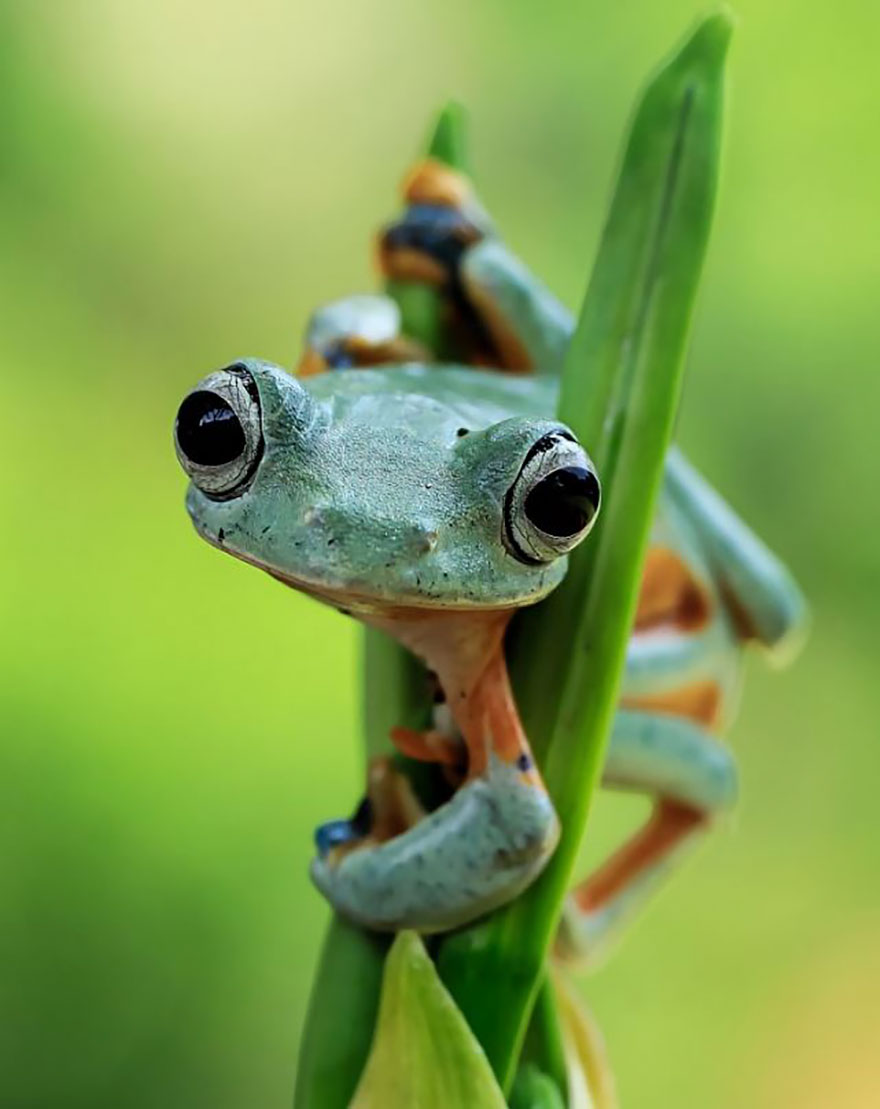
209,432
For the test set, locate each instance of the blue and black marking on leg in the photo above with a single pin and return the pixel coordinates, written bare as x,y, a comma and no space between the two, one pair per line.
336,833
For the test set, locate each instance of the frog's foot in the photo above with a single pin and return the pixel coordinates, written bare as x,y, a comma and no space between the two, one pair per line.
441,221
341,833
497,314
389,808
430,246
427,245
473,853
357,331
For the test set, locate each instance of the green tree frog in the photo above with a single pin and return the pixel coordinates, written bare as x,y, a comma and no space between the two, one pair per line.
431,498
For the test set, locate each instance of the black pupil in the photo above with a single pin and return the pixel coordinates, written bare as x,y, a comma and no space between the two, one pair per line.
564,502
208,430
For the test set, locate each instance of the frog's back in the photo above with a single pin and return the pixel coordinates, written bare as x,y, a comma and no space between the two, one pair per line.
474,399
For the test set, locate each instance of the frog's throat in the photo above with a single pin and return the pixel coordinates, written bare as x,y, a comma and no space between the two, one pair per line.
465,649
463,646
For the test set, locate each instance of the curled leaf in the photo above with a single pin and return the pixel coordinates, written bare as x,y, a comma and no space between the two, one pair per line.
590,1081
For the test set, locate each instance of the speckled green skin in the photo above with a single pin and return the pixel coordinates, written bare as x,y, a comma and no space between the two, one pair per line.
367,494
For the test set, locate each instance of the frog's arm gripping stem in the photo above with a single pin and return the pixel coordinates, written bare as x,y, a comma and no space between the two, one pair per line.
485,844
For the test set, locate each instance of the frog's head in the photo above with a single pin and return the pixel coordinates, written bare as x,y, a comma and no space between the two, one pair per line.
372,496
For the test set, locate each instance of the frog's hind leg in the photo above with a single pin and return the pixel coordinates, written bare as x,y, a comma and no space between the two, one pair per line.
530,328
499,314
765,602
693,777
361,330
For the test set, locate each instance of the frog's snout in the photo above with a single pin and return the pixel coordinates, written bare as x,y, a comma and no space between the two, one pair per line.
218,433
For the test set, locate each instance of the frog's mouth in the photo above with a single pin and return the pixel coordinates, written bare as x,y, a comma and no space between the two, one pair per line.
357,599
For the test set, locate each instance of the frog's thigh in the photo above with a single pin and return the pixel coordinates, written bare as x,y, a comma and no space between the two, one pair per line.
479,849
693,777
528,325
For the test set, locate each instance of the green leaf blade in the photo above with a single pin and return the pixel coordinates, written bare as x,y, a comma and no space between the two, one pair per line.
620,390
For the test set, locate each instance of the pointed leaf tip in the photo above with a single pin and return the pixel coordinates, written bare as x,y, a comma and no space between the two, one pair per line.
448,142
708,42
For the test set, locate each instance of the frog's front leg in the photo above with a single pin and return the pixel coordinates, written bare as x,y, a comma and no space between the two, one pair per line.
480,848
693,778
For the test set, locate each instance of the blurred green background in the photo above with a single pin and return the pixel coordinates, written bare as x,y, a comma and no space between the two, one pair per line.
180,184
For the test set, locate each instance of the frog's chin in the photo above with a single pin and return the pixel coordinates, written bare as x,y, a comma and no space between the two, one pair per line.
354,600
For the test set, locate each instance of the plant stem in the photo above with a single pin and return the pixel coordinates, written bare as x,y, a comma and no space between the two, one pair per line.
341,1018
345,994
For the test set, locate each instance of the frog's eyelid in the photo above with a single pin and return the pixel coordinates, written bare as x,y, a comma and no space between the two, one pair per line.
546,443
244,375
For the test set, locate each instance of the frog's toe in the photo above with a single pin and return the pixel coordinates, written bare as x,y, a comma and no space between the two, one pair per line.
341,833
475,852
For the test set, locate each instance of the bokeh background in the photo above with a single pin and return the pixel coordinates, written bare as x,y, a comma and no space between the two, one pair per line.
180,184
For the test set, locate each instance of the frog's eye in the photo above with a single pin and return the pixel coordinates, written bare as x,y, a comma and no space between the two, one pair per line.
553,502
218,433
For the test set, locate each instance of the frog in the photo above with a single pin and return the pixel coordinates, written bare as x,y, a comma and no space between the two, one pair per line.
432,498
